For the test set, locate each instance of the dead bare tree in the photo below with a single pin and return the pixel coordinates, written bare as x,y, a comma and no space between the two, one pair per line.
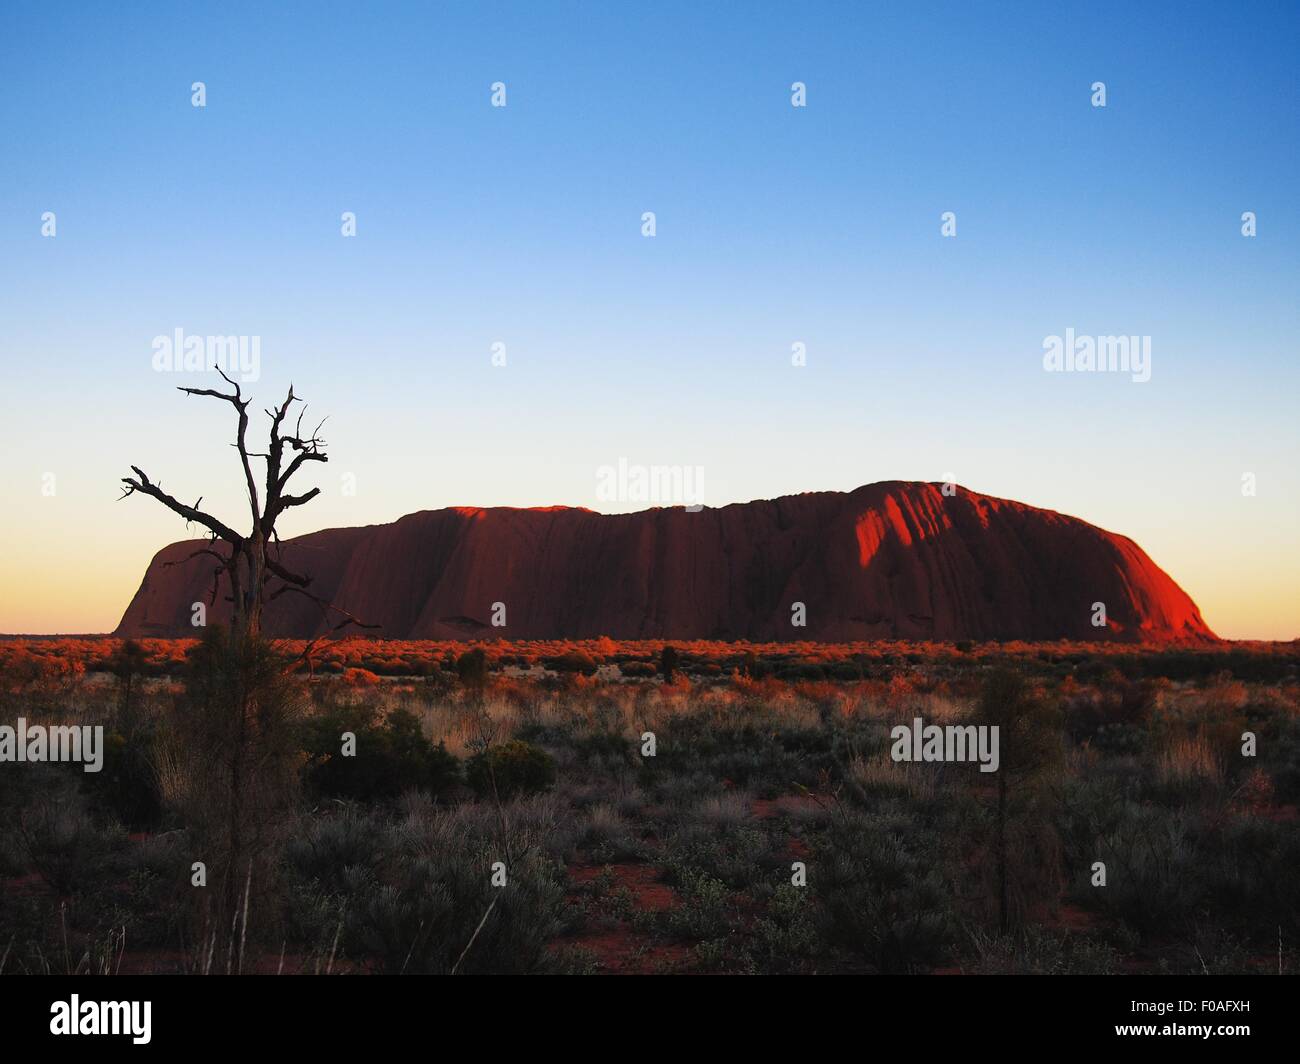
252,562
237,738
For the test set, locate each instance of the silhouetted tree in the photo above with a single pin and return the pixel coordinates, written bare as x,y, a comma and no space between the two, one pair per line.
252,562
127,663
1030,747
235,741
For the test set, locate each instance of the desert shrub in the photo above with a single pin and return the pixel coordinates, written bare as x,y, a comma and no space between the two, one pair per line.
640,670
47,681
391,756
844,671
1113,716
472,668
1037,951
1213,951
1224,695
784,938
1189,769
425,923
61,841
234,762
1092,806
753,749
158,890
127,784
1283,761
882,893
1018,828
736,853
324,848
678,789
429,904
128,664
510,770
1199,847
604,835
705,909
1151,870
1098,672
800,671
1168,873
360,678
880,776
669,661
1130,702
605,750
1121,740
755,667
572,661
1246,869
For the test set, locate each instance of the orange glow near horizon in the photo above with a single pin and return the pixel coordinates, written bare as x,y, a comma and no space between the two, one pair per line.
56,585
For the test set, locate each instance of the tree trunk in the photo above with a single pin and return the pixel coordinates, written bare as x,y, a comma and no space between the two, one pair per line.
256,579
1002,853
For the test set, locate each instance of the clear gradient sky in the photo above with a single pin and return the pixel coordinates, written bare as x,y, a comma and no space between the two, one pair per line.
774,225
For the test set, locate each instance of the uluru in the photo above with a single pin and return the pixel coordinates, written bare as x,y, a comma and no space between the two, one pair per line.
892,560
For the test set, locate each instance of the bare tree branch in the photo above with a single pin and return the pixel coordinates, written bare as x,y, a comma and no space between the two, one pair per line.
325,606
274,567
241,405
250,568
145,486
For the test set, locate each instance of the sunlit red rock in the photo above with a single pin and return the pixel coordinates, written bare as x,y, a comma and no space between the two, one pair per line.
894,560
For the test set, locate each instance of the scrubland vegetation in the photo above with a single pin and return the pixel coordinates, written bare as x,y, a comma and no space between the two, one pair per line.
500,812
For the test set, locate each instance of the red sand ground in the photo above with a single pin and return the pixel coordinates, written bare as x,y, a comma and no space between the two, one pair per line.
622,950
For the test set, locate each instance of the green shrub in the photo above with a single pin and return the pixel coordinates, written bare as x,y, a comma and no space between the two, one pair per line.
430,904
511,769
472,667
390,758
785,937
324,849
61,841
883,895
736,854
127,784
1153,875
705,910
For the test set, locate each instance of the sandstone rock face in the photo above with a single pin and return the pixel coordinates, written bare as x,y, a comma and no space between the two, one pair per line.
894,560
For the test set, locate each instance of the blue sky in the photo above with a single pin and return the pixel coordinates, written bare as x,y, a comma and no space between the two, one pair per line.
774,225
